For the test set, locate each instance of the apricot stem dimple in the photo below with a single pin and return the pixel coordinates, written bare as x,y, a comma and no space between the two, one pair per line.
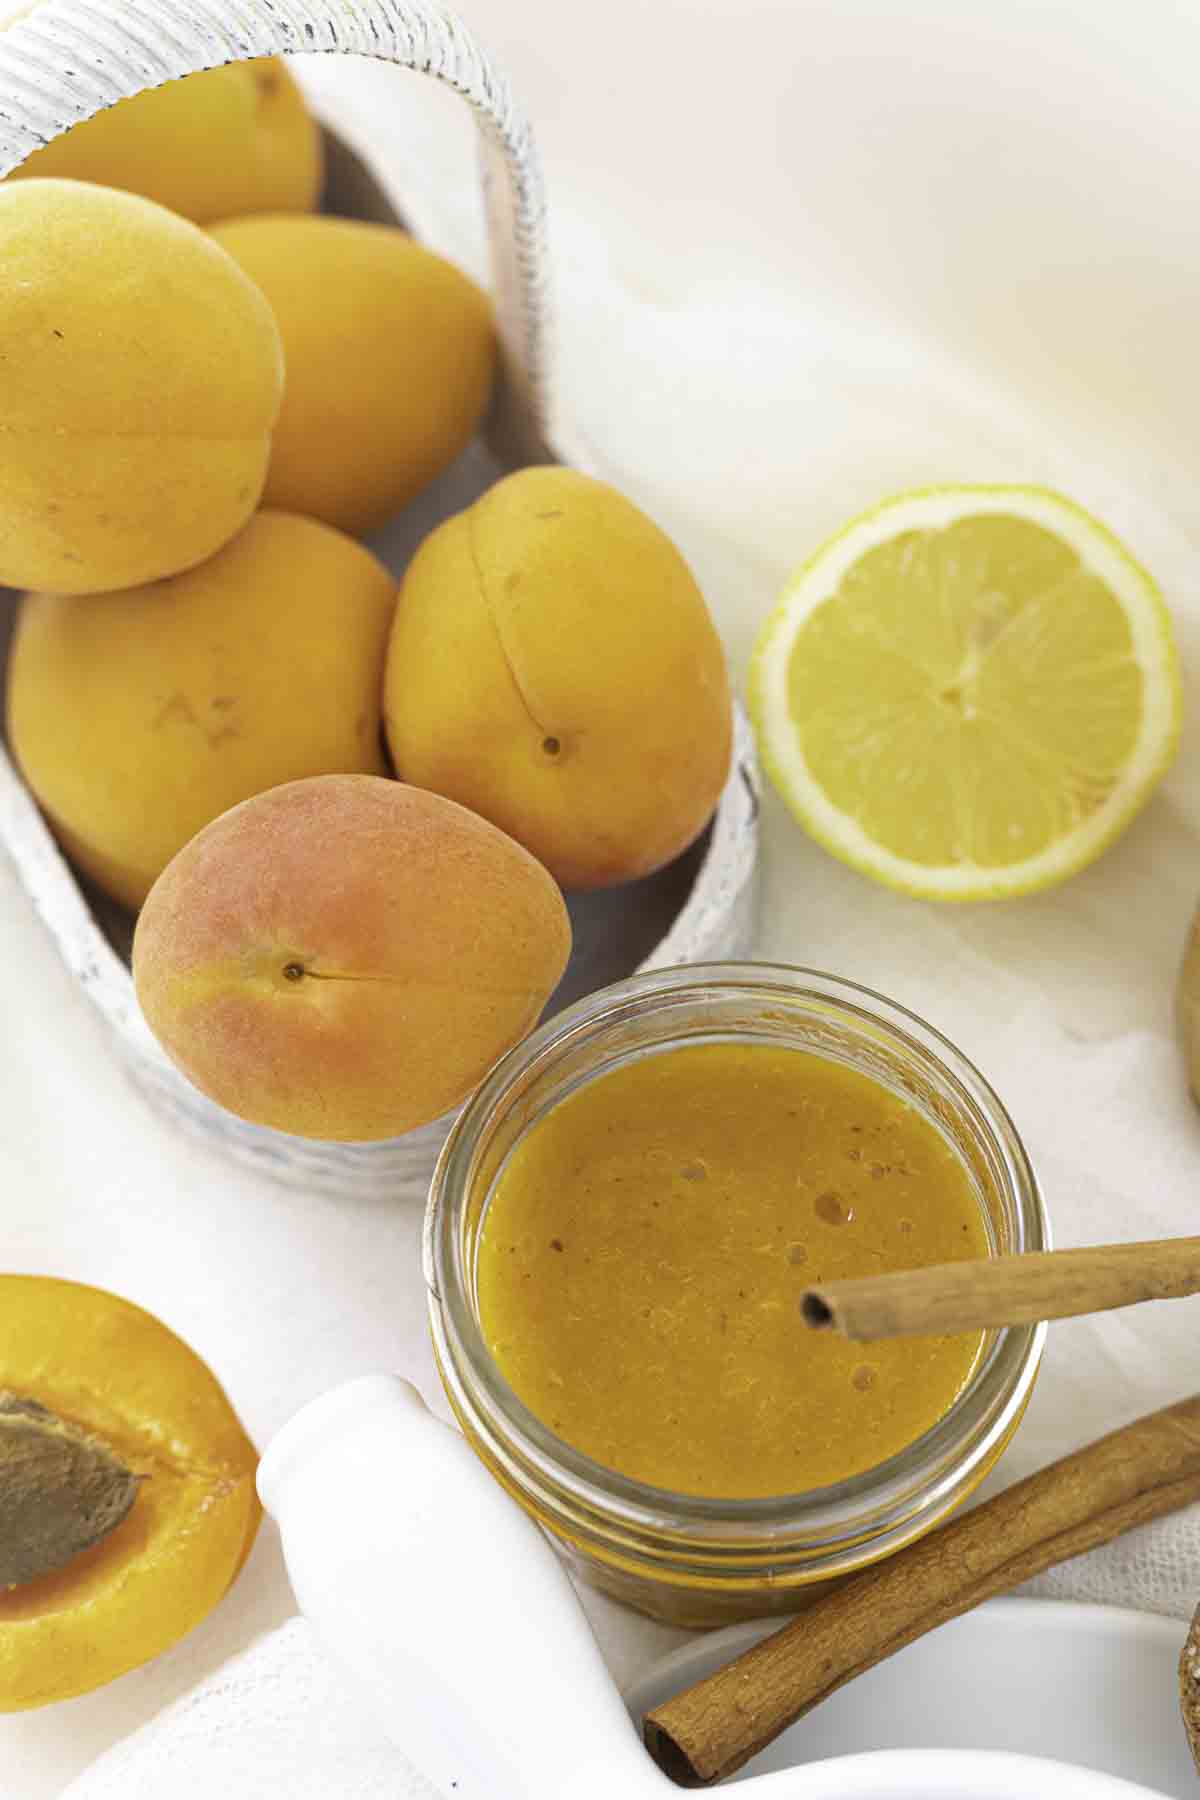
551,746
293,971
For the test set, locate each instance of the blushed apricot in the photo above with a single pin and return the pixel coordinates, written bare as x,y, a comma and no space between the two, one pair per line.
346,957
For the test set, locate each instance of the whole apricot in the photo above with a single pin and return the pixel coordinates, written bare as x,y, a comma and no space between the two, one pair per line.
137,717
553,665
237,139
140,377
104,1366
346,957
389,354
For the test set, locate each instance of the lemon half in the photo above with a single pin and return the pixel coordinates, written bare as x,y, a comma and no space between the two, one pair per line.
969,692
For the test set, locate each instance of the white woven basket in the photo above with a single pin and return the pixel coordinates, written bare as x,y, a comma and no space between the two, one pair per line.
67,60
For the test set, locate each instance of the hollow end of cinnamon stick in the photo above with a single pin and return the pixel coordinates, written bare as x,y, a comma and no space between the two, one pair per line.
990,1292
671,1758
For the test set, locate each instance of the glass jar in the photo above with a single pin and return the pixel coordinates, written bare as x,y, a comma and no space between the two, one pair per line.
679,1557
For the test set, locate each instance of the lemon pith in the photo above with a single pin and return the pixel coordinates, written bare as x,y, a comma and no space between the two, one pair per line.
968,692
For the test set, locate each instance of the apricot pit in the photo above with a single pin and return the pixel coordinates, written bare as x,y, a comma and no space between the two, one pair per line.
61,1490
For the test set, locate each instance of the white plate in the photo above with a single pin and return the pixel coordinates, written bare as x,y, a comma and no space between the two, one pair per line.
1093,1686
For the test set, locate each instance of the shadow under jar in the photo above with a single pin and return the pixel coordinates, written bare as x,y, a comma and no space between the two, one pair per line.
682,1557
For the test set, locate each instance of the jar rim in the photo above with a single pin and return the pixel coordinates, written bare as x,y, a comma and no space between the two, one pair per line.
983,1414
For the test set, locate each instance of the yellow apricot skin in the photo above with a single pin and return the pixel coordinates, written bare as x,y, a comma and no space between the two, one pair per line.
390,352
553,666
345,957
140,376
138,717
105,1364
226,141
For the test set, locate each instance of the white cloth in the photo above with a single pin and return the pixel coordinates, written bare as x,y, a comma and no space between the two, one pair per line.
278,1722
806,256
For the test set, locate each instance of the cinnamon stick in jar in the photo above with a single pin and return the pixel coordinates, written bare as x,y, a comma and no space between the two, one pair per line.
1131,1476
1004,1290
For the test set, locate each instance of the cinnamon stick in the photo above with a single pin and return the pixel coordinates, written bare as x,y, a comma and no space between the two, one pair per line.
1004,1290
1127,1478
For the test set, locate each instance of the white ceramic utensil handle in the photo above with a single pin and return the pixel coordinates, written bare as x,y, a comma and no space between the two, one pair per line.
446,1603
65,60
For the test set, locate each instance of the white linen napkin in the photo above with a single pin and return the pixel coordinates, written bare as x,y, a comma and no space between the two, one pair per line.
278,1722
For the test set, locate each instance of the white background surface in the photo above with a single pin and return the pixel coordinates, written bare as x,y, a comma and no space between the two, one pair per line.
807,255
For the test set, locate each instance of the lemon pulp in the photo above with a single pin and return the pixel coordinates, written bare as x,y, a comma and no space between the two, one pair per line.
969,692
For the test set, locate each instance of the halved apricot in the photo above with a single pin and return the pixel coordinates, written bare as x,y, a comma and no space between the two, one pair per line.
105,1365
